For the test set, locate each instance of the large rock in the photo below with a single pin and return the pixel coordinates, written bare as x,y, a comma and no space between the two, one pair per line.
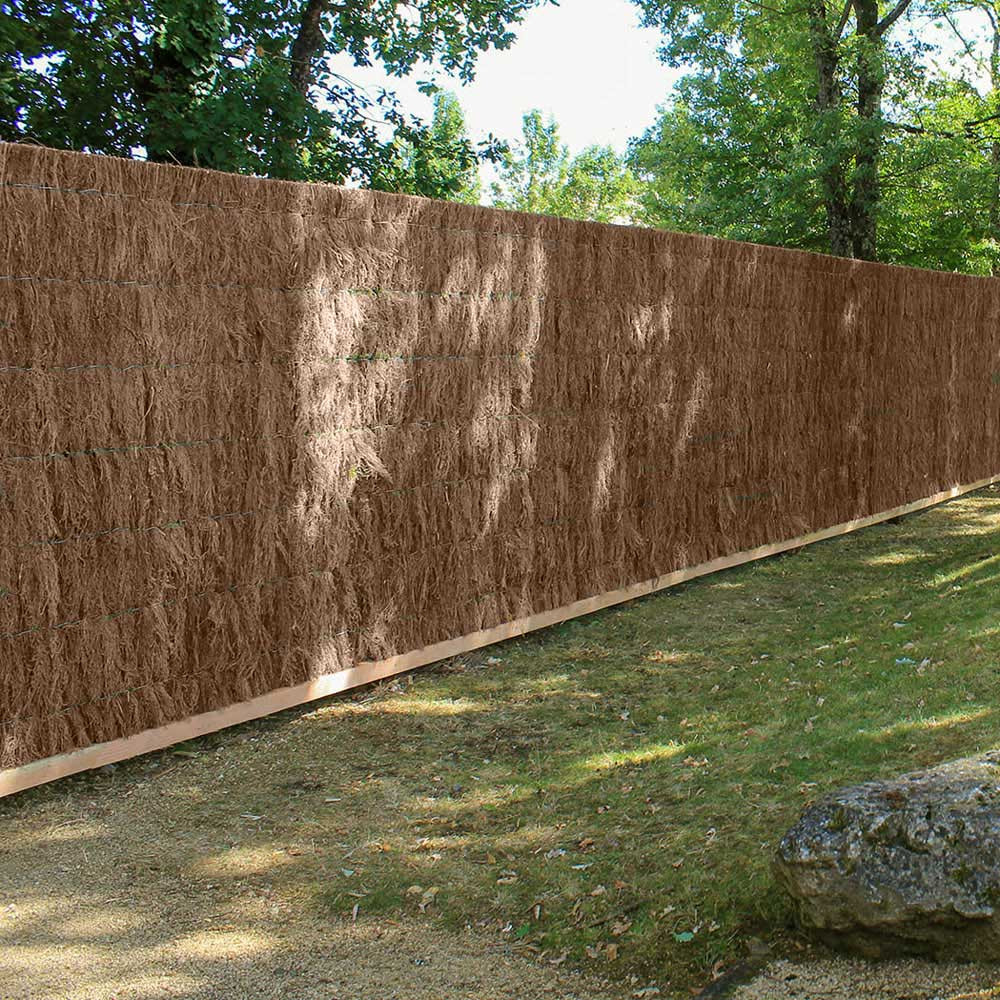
908,866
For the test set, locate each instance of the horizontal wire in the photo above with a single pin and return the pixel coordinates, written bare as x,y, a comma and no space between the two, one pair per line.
986,379
213,671
728,435
231,515
718,307
199,442
402,556
647,232
805,353
325,290
360,358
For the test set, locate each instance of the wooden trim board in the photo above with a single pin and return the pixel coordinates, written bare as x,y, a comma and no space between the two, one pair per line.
50,768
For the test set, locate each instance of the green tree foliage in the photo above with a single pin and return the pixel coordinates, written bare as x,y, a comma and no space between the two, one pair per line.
243,86
539,175
792,98
772,136
938,189
717,162
443,164
534,171
957,141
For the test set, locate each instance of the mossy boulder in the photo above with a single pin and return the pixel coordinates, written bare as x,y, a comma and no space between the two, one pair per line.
909,866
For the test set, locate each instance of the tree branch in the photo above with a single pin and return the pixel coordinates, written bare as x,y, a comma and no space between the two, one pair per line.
892,17
966,44
968,129
844,18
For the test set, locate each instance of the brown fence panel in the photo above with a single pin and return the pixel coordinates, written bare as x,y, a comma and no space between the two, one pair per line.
260,437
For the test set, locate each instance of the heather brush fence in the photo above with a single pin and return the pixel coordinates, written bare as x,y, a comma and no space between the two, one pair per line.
261,441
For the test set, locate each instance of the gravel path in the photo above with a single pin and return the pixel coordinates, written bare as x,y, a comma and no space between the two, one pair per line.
124,953
841,979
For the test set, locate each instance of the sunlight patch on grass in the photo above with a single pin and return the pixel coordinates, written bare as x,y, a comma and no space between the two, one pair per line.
482,795
224,944
250,859
963,571
673,656
412,705
79,924
65,832
550,684
612,759
934,722
526,837
895,558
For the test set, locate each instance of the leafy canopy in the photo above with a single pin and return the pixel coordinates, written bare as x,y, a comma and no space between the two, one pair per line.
442,165
794,118
539,175
242,86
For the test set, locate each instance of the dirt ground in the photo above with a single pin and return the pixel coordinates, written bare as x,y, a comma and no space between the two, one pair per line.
105,894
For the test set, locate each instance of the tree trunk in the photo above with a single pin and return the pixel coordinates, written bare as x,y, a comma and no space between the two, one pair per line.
994,213
828,99
871,75
994,207
309,42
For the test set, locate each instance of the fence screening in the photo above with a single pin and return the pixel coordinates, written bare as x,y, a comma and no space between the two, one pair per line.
255,432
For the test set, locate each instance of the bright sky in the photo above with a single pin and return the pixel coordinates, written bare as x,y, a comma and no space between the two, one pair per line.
586,62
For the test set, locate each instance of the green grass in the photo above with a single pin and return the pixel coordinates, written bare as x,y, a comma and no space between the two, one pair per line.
615,787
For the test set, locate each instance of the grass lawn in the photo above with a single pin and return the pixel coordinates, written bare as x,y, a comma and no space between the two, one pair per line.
609,792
